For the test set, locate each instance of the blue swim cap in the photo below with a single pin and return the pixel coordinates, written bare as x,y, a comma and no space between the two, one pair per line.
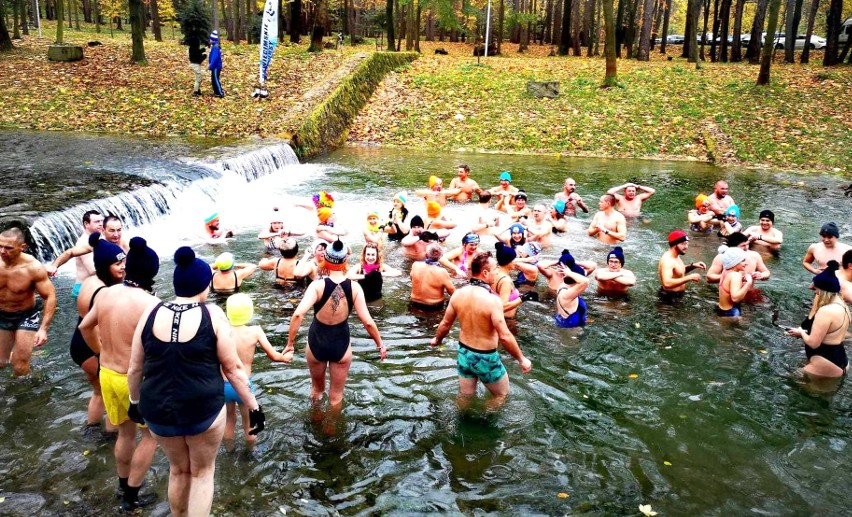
733,210
505,176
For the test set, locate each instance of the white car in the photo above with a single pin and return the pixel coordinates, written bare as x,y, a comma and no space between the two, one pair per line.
816,42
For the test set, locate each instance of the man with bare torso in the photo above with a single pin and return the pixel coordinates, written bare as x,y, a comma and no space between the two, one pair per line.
116,313
466,185
22,326
414,244
764,236
720,201
630,204
93,222
753,264
483,327
829,248
429,280
571,198
539,229
673,272
608,225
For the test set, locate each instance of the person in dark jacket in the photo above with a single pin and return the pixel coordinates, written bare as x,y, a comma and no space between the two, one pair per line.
215,64
196,58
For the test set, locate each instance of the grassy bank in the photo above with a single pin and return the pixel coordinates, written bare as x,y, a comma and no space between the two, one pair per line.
663,109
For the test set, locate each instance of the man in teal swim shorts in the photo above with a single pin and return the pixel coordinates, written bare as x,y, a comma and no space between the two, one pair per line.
483,326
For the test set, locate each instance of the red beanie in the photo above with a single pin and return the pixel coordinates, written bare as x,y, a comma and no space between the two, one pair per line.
676,237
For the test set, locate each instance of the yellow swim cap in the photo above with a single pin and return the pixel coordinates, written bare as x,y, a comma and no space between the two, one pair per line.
433,180
240,309
225,261
433,209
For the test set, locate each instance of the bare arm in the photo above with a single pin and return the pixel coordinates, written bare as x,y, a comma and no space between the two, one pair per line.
615,190
507,339
365,317
669,282
582,205
88,329
808,261
390,272
298,315
740,284
244,270
58,262
270,350
267,264
620,232
646,192
45,289
445,325
593,229
137,358
821,326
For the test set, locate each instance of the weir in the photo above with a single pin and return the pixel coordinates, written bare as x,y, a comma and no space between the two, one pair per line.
192,181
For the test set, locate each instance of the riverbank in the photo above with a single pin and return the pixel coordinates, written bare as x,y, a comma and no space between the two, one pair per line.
663,109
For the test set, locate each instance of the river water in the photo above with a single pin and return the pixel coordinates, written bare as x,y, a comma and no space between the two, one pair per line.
649,404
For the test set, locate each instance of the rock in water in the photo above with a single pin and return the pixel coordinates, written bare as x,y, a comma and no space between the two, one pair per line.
549,89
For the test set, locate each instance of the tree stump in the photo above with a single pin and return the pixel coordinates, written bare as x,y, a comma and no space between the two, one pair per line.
539,89
65,53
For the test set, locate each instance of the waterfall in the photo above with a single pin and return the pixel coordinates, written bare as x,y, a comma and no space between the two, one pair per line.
200,183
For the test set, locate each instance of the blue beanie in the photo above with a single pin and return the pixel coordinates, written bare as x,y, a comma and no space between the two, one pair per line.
568,261
192,276
142,264
505,254
616,252
827,280
105,254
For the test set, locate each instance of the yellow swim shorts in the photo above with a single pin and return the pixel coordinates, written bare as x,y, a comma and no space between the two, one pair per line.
116,395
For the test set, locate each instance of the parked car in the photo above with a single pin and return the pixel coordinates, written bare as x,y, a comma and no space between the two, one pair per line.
675,39
845,31
710,39
817,42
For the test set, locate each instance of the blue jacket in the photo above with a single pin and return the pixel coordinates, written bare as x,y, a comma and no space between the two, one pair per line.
215,59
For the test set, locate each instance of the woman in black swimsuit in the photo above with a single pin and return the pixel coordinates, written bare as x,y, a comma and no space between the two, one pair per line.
825,328
333,299
109,270
285,266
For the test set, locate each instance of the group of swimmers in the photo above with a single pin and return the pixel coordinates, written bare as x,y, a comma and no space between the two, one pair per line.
184,367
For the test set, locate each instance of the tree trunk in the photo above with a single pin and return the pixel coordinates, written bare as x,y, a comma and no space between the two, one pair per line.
832,33
60,13
295,21
769,42
137,30
593,33
70,15
318,30
214,7
155,21
619,27
811,19
714,32
565,31
249,14
611,77
704,28
389,21
630,32
724,27
754,45
694,7
5,40
417,20
736,45
557,22
409,23
645,35
97,6
501,18
575,24
666,18
76,14
688,32
792,29
16,7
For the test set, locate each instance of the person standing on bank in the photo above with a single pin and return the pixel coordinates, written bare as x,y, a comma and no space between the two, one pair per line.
180,351
329,344
215,64
196,59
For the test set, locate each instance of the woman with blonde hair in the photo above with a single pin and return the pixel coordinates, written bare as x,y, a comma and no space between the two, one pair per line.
825,327
372,271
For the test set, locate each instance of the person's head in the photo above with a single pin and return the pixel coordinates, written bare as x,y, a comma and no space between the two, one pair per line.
629,192
470,242
288,247
276,221
373,221
539,211
567,260
325,215
557,209
606,202
433,209
225,261
371,254
463,170
766,219
732,214
192,275
12,244
679,241
733,259
142,264
829,234
399,200
484,198
335,256
504,254
93,221
112,229
615,259
109,260
846,259
720,189
434,251
417,225
570,185
517,234
505,179
702,203
212,222
482,266
322,199
436,183
827,284
239,309
319,251
520,200
737,240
